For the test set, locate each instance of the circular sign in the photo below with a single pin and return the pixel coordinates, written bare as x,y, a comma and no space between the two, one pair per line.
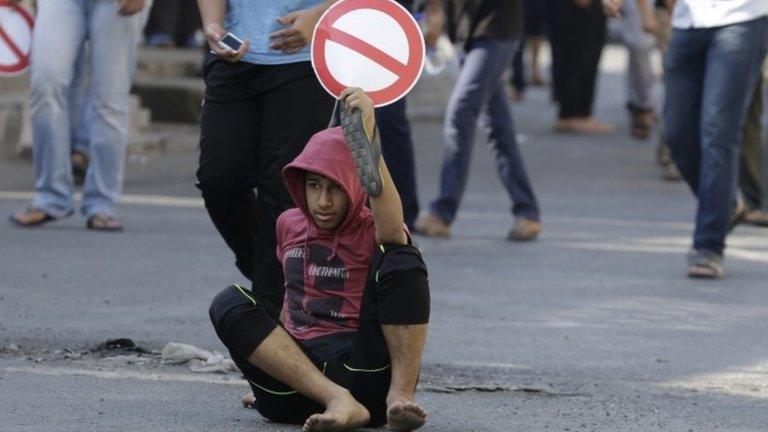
15,39
372,44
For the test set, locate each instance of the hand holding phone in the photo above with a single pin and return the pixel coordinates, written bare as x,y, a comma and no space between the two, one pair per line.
224,44
230,42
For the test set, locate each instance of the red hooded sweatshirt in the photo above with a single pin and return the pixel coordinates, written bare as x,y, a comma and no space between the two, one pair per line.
325,271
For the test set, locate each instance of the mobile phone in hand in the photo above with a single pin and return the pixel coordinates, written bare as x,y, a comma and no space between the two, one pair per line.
230,42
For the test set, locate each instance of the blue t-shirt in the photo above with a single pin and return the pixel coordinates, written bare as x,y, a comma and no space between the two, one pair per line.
256,19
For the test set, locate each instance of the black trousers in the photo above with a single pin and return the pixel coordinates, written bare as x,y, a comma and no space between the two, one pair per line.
256,119
178,19
577,36
397,149
397,292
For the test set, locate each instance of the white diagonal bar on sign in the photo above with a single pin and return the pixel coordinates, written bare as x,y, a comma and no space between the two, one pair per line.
368,50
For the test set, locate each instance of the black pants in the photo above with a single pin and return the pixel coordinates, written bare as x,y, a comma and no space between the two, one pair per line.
397,149
178,19
577,36
396,293
256,119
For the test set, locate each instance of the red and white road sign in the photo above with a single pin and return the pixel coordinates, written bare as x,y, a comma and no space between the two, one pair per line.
372,44
15,39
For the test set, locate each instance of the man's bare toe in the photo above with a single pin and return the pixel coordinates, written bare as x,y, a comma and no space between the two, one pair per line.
248,400
338,416
405,416
312,423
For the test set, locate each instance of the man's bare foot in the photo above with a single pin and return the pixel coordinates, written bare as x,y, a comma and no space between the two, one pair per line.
405,415
248,400
342,413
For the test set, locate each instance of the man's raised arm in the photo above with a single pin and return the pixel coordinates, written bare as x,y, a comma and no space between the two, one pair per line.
387,206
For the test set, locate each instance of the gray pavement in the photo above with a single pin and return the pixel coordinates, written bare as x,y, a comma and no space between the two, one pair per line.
593,327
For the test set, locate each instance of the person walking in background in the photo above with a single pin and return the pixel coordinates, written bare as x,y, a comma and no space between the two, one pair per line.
664,30
711,71
61,31
534,13
751,174
262,104
517,80
173,23
81,104
577,35
488,30
638,29
397,142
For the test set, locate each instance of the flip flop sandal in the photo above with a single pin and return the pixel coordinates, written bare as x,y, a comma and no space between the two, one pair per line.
35,223
365,153
705,265
104,223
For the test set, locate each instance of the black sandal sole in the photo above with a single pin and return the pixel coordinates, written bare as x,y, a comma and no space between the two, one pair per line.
365,153
48,218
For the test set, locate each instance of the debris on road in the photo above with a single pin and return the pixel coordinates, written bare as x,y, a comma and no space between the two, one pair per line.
198,359
133,359
122,344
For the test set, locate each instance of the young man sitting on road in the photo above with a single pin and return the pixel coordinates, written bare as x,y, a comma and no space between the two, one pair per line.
346,350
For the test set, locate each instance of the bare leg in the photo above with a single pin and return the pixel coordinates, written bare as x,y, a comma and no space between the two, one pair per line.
536,78
280,357
406,344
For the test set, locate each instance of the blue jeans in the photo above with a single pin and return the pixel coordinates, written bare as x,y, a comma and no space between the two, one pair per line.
710,75
60,33
480,85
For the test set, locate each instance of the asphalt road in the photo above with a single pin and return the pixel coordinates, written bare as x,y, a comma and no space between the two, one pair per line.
593,327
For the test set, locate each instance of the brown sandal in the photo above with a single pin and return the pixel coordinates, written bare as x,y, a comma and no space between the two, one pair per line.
103,222
32,217
703,264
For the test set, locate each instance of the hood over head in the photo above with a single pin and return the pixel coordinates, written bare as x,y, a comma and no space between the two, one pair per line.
326,154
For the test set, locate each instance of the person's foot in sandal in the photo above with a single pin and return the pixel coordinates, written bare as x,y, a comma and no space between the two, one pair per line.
671,173
524,230
756,218
431,225
31,217
705,264
104,222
